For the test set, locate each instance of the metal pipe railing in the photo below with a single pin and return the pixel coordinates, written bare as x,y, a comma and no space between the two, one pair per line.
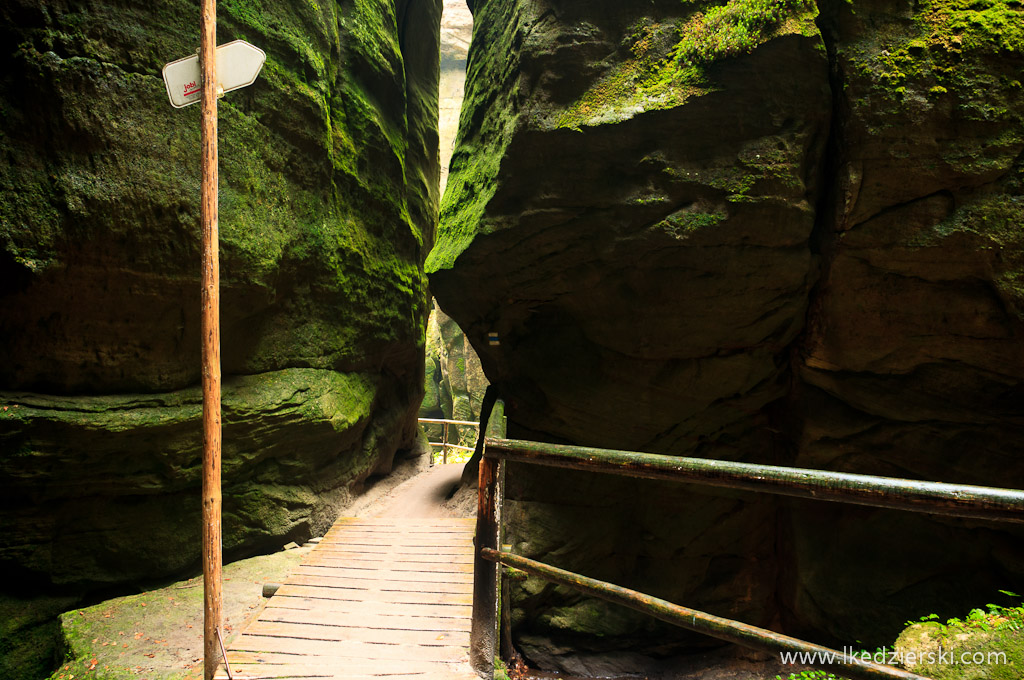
701,622
977,502
956,500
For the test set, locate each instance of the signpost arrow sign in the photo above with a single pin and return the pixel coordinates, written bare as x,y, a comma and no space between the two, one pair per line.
238,64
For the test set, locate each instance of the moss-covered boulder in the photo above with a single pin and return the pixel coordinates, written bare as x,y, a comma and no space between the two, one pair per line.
984,645
784,232
328,198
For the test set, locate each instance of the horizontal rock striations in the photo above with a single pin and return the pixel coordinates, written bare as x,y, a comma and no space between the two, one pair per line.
328,199
786,234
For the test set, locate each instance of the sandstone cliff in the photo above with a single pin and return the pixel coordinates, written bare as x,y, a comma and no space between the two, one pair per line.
781,232
328,198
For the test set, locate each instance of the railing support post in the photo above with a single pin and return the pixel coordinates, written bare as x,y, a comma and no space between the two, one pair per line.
485,572
444,445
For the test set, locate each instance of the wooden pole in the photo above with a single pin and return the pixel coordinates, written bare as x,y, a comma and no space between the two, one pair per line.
485,573
211,343
444,446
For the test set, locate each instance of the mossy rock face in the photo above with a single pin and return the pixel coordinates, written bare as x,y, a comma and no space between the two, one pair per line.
30,634
158,633
783,232
106,487
957,653
328,199
913,355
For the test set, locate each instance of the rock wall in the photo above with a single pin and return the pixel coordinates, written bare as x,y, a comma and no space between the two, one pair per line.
455,381
328,198
786,234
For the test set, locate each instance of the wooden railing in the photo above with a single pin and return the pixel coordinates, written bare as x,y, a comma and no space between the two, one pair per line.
444,444
977,502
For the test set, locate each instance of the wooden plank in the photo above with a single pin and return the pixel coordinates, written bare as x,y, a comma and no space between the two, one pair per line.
372,552
369,589
406,525
371,576
382,560
347,649
347,669
378,561
395,521
296,663
382,636
284,601
335,662
416,567
406,532
365,620
407,542
375,599
288,672
301,574
320,592
385,558
426,532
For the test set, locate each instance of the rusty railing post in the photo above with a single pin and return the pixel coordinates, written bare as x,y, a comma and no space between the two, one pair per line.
483,637
485,572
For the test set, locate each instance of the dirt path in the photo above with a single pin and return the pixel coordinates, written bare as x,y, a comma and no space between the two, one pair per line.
419,497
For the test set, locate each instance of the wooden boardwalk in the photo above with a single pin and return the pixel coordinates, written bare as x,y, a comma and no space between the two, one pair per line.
377,598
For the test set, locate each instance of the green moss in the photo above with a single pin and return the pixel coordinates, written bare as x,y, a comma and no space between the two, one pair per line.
648,79
158,634
30,635
471,185
664,64
995,220
739,26
472,181
682,224
962,652
944,51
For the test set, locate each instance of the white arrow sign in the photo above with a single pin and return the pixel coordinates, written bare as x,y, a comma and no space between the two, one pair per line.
238,64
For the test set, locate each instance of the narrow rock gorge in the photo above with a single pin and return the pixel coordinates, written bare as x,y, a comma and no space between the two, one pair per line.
786,233
328,201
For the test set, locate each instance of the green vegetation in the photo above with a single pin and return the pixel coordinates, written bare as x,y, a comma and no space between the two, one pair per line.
158,634
682,224
477,159
942,54
652,77
993,617
646,80
810,675
738,27
500,669
986,643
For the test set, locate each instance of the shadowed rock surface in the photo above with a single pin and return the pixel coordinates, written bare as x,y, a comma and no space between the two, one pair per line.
787,235
328,199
